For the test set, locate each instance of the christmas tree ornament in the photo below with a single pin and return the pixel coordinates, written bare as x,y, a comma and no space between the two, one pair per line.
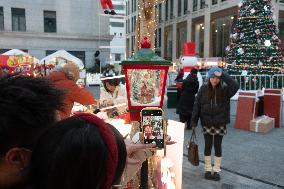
267,43
241,4
242,35
260,63
241,51
228,48
265,8
252,11
257,31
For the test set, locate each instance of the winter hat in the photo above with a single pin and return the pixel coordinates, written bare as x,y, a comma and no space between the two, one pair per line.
212,70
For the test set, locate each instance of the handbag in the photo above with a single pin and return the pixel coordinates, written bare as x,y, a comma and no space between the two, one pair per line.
193,156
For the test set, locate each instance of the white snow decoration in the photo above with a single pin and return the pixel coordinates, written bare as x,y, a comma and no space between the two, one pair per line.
228,48
252,11
265,8
274,37
242,35
235,35
234,63
241,51
156,102
257,31
270,58
267,43
260,63
240,4
244,72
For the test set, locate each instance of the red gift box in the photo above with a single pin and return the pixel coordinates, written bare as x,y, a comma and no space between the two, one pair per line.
273,105
247,109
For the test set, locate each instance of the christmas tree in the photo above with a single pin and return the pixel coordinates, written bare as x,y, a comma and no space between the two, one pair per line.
254,45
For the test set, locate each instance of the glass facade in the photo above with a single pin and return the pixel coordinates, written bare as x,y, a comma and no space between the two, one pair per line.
220,35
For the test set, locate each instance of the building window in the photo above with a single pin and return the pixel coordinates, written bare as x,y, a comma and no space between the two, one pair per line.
117,24
214,2
49,21
79,54
194,5
1,19
160,12
179,7
114,34
127,8
185,6
135,6
167,10
281,1
134,23
160,37
118,7
223,0
117,57
18,19
202,4
120,34
132,6
172,9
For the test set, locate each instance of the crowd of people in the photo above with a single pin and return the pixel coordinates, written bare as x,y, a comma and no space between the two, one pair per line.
211,104
42,146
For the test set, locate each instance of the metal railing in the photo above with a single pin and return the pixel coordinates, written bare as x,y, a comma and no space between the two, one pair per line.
253,82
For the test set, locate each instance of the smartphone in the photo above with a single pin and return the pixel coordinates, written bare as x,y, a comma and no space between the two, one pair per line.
152,125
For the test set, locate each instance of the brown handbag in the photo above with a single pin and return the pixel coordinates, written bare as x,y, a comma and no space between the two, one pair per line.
193,156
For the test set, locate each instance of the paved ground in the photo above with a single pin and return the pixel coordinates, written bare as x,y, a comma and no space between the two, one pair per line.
251,160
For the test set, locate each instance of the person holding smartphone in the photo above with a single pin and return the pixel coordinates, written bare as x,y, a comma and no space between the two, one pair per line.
212,106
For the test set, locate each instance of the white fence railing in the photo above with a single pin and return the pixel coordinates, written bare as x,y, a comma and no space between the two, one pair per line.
252,82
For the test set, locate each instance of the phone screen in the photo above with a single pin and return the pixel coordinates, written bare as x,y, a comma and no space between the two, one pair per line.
152,125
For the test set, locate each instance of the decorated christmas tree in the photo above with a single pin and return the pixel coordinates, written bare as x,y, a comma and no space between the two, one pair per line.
254,45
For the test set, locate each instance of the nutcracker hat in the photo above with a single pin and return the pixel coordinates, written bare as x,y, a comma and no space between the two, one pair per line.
189,49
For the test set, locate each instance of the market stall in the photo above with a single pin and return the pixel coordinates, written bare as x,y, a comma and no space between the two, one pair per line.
17,61
57,59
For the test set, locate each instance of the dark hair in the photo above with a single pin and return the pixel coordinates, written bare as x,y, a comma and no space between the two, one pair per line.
27,107
73,155
194,71
220,93
112,82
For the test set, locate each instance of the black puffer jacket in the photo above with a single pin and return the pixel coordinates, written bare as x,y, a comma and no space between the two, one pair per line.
189,89
211,112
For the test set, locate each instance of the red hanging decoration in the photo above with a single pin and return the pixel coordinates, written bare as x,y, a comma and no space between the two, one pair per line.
145,43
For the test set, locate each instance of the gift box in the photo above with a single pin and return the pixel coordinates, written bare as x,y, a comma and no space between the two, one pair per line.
247,109
273,105
262,124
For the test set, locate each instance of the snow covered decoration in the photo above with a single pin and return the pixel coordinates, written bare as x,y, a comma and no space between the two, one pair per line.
241,51
228,48
252,11
274,37
265,8
267,43
260,63
242,35
241,4
257,32
234,63
235,35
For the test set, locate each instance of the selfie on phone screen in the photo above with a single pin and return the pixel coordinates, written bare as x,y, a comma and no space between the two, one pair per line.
153,131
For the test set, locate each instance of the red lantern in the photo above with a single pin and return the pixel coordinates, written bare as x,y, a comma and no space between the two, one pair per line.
145,75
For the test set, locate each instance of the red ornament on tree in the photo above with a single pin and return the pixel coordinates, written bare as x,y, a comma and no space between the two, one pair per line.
145,43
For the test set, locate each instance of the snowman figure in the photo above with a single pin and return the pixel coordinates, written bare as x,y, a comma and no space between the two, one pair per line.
189,61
